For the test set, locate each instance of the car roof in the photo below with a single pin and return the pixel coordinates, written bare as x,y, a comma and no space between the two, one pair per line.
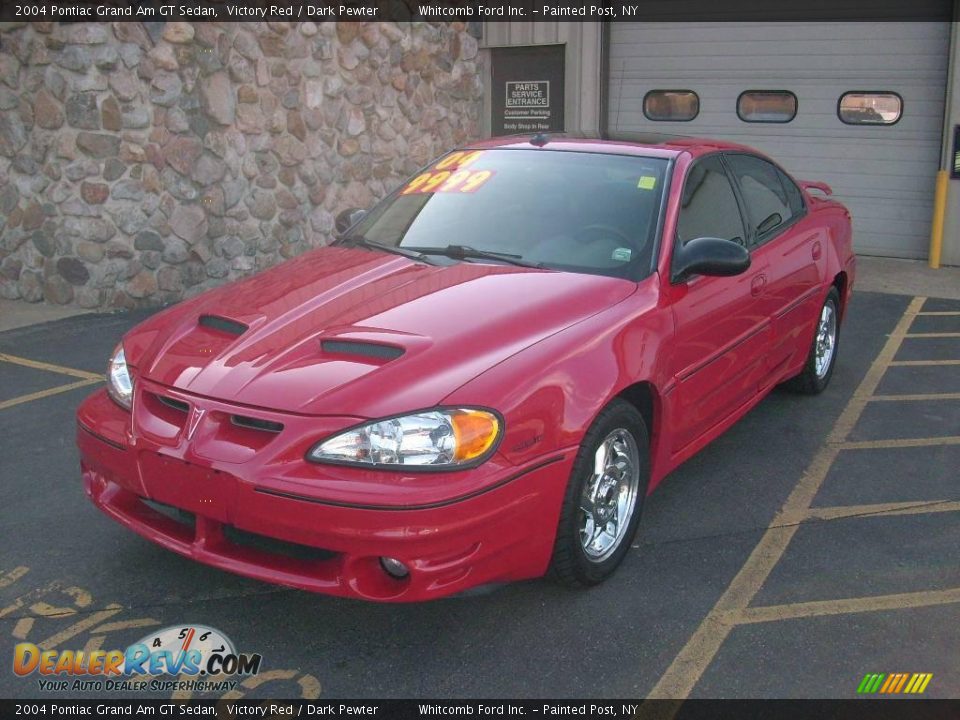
622,143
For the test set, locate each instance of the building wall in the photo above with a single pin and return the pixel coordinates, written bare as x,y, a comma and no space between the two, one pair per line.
141,163
582,87
885,175
950,254
584,70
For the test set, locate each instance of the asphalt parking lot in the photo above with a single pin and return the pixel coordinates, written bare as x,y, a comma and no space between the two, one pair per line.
813,544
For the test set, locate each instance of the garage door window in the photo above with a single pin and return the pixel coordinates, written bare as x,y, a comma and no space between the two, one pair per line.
870,108
767,106
675,105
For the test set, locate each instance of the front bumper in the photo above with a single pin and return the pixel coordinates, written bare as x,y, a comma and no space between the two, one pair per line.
236,517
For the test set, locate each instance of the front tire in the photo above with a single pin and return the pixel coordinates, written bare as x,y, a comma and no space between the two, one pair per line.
601,509
823,352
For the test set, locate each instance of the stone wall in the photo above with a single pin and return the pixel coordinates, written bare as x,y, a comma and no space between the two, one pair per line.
144,162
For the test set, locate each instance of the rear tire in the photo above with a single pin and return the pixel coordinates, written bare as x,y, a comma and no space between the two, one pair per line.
605,493
823,351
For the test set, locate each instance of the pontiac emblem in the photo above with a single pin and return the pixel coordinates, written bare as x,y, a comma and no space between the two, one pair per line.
196,415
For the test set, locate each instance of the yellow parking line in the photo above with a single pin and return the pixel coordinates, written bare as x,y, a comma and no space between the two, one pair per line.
922,363
934,335
78,627
883,509
22,628
900,601
918,396
693,659
939,313
49,367
125,625
900,443
309,686
9,578
48,392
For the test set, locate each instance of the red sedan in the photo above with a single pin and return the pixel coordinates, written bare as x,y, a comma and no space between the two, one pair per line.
482,378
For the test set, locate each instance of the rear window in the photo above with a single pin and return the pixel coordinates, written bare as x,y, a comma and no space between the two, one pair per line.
675,105
870,108
767,106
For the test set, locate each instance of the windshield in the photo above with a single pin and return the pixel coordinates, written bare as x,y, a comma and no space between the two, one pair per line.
580,212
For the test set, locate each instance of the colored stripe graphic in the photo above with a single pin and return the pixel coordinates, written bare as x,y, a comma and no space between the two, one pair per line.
894,683
870,683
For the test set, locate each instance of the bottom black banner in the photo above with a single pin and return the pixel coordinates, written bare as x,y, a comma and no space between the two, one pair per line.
403,709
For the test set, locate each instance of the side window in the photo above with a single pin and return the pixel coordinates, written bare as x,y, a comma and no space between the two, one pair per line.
768,204
794,196
708,206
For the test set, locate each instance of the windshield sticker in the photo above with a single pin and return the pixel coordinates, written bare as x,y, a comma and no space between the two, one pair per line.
458,160
445,181
622,254
647,182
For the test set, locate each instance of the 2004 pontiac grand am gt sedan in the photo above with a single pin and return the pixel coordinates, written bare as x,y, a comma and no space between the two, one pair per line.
483,377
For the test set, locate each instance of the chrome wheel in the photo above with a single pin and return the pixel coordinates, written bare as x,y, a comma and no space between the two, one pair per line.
609,496
826,340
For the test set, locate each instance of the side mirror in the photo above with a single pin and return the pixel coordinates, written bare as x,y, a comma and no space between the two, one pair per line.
346,219
709,256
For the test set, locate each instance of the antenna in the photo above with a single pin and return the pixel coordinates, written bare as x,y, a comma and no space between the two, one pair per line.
616,116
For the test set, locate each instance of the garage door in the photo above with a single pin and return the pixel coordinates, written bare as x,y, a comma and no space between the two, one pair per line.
884,173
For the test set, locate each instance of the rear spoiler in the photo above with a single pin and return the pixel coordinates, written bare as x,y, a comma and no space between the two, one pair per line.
815,185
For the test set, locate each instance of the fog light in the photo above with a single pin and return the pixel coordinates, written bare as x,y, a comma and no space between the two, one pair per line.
394,568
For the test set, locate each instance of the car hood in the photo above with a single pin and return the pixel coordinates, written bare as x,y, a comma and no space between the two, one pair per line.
346,331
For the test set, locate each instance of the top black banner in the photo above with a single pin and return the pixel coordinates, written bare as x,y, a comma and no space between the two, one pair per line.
280,709
478,10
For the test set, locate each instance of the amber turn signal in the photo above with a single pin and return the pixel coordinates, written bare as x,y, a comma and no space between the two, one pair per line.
475,432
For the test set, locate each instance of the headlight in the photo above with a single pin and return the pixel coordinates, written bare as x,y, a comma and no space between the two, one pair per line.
119,382
445,438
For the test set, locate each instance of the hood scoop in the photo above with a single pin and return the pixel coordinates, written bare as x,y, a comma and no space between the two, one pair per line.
367,350
215,322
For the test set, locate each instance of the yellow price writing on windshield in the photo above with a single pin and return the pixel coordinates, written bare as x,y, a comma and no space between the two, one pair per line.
458,160
445,181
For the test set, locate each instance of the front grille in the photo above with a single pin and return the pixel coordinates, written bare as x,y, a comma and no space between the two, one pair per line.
243,538
174,513
256,423
175,404
274,546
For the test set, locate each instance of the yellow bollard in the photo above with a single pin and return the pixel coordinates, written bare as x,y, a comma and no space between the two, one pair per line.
939,210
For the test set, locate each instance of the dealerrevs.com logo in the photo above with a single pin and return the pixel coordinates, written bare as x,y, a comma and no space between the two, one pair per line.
203,654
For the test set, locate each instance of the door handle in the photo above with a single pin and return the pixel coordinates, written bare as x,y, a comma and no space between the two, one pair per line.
757,284
816,250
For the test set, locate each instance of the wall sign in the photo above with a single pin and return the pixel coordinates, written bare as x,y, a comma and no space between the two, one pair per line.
527,91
